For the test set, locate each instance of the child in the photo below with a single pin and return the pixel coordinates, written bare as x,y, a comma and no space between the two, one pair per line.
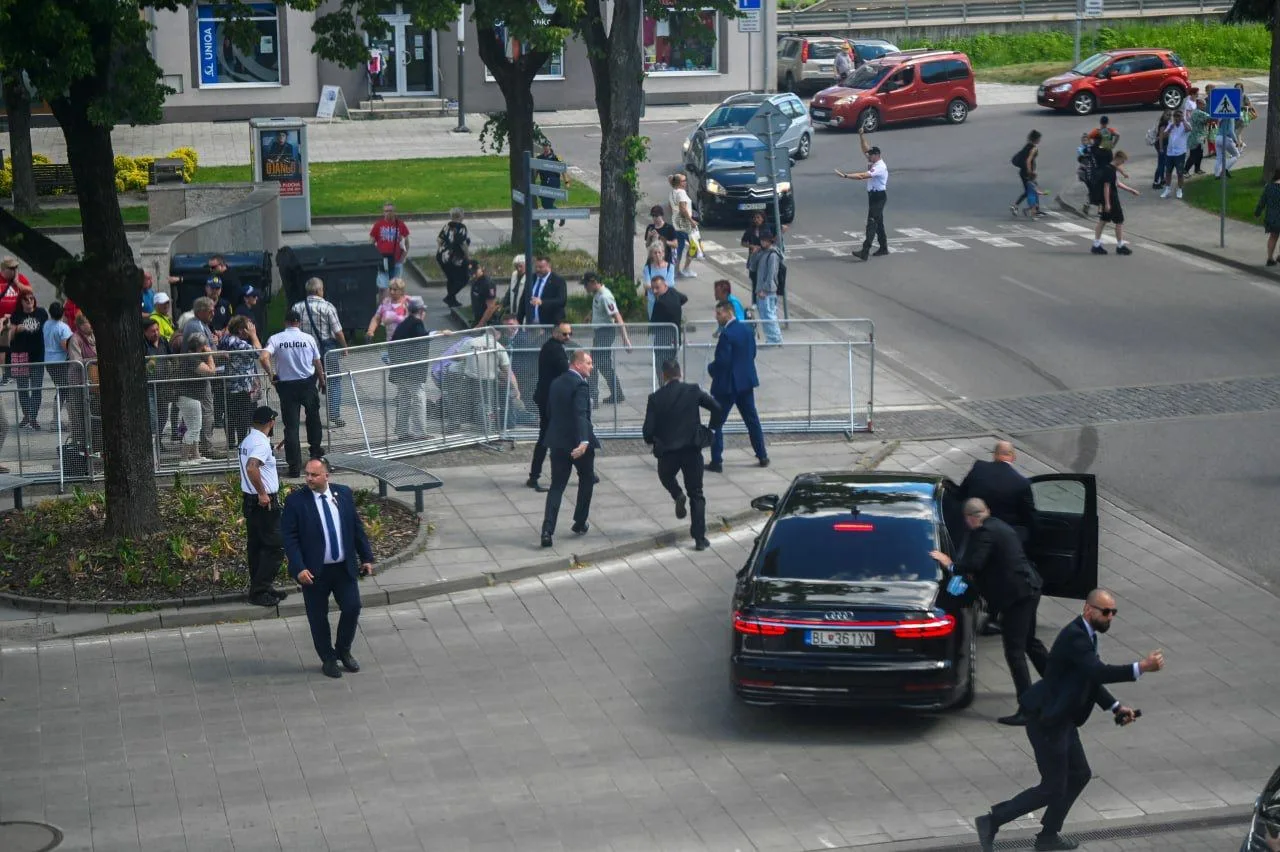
1109,183
1085,170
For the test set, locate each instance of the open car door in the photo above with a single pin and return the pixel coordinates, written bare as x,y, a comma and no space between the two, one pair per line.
1064,546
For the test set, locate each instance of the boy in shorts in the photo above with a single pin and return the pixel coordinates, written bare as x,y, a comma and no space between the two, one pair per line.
1110,211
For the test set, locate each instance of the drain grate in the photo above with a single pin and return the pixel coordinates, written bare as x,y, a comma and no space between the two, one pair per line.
21,836
1122,832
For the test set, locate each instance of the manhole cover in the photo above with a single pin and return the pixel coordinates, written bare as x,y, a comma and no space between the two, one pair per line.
28,837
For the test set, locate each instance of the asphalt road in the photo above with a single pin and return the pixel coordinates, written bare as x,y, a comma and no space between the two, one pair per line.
974,304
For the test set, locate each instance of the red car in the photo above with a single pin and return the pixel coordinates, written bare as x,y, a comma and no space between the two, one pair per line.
906,86
1138,75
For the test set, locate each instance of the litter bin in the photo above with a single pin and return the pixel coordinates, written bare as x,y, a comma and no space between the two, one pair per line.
349,272
251,267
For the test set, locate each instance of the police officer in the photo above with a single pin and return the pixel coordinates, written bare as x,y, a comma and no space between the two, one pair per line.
299,379
260,487
877,178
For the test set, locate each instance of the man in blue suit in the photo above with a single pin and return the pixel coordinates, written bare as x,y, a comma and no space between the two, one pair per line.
733,382
323,537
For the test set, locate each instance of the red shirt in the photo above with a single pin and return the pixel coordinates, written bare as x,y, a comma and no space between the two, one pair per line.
387,236
9,293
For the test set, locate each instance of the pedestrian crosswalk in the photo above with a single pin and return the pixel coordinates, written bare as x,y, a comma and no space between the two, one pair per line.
1016,235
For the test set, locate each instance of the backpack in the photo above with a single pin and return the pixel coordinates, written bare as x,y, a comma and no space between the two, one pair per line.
1020,158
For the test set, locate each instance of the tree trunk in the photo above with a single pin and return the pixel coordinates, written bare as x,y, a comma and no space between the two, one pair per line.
617,68
106,285
1271,158
18,100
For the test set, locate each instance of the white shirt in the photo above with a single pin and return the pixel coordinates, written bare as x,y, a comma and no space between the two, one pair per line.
295,353
879,179
327,501
256,445
678,197
1177,138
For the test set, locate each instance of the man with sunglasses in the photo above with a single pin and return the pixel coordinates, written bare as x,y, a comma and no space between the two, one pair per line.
1056,707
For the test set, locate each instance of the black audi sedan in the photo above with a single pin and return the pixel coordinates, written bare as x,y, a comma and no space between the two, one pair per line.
840,603
1264,828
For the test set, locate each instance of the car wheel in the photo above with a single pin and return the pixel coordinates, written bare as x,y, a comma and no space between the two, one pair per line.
957,111
788,217
971,683
869,121
1171,97
1084,103
806,147
790,83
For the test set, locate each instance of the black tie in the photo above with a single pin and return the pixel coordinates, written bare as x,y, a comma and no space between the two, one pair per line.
1095,643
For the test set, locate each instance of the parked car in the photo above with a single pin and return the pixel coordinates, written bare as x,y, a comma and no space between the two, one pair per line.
1137,75
840,603
722,178
809,63
735,111
1264,828
903,86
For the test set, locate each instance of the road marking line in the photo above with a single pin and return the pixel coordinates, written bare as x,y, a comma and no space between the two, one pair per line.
1051,240
712,245
946,245
1051,296
1073,227
896,250
918,233
999,242
856,235
835,252
970,231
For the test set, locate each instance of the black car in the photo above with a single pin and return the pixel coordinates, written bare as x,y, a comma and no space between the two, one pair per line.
723,182
1264,830
840,603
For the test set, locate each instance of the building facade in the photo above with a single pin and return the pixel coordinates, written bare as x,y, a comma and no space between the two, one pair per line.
691,57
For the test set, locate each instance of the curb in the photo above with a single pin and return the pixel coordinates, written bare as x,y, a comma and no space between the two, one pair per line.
379,597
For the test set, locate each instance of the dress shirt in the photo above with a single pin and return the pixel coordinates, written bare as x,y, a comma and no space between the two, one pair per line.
327,502
536,293
1093,637
879,176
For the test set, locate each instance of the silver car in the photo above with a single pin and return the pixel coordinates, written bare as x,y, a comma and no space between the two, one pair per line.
736,110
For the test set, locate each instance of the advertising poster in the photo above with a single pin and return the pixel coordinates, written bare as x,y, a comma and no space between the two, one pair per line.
282,160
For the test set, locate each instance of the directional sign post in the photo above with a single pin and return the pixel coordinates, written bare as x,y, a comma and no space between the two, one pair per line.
1224,103
528,197
768,124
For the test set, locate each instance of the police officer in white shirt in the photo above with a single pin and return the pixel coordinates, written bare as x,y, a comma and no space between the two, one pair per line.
260,488
877,178
299,378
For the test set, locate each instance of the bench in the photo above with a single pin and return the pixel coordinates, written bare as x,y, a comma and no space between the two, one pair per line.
400,476
54,179
166,170
10,482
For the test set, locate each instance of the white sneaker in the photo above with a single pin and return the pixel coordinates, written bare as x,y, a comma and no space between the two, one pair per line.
1179,192
1165,194
689,273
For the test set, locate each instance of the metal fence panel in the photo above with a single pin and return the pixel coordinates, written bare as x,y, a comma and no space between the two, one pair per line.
854,14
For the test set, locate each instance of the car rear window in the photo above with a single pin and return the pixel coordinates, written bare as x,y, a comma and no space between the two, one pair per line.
851,548
825,49
735,115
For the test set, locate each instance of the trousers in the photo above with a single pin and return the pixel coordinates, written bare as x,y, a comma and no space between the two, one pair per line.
332,580
688,463
561,465
540,448
746,402
263,548
602,354
876,199
1064,772
1018,633
300,394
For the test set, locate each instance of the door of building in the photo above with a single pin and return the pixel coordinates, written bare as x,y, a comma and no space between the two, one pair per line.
409,57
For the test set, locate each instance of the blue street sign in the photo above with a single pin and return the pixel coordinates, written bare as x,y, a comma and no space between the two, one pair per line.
748,5
1224,103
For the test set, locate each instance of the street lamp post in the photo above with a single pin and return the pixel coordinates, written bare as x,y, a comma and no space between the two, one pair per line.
462,53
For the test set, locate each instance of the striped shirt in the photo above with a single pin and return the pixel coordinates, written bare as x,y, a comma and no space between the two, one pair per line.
322,322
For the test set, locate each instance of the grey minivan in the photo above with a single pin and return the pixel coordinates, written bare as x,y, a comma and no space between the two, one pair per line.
736,111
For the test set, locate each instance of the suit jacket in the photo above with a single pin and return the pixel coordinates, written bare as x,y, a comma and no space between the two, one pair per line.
554,297
569,413
668,308
671,419
304,536
553,362
993,555
1006,492
733,370
1073,681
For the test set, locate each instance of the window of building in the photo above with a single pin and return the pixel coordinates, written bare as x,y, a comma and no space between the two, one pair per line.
221,63
553,69
682,42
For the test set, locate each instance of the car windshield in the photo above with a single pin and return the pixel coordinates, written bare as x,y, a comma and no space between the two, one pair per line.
1093,63
730,115
869,75
880,533
825,49
733,153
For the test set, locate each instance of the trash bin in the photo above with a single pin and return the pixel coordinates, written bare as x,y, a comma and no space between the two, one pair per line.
349,272
251,267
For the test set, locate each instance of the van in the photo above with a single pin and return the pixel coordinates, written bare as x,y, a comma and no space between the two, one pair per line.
906,86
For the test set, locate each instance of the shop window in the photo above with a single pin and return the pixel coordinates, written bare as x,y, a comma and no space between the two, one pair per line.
553,69
682,42
221,63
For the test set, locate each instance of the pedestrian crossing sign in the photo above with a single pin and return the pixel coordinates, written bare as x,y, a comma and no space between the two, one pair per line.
1226,103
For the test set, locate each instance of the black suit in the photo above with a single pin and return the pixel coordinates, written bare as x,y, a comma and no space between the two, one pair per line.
1006,492
667,308
569,425
555,294
553,362
993,556
671,424
1057,706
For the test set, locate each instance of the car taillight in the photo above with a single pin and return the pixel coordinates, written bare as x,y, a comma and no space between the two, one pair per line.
804,50
745,624
853,526
934,628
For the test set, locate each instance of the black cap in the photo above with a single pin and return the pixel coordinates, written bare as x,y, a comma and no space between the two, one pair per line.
874,149
590,277
264,414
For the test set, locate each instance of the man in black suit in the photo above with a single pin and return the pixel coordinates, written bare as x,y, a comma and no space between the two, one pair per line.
1057,706
553,362
544,299
992,555
571,439
674,427
1008,494
668,308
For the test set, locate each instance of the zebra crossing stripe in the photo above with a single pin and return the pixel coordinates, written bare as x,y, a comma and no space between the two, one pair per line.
970,231
999,242
1071,227
917,233
1051,240
946,245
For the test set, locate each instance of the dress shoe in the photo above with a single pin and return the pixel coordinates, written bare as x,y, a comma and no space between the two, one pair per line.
861,254
330,669
881,252
546,539
532,482
349,662
1052,842
682,507
278,594
990,629
713,467
986,832
263,599
764,462
595,479
701,544
581,529
1017,720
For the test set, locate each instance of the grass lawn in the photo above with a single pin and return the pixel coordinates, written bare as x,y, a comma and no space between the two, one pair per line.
52,217
497,262
422,186
1035,73
1243,191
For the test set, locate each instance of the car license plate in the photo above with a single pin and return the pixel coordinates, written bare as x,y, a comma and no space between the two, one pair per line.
820,113
754,205
840,639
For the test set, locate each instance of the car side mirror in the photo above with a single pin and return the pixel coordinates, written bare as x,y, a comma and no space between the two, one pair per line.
765,503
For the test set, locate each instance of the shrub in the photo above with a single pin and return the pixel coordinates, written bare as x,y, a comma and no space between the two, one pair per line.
190,161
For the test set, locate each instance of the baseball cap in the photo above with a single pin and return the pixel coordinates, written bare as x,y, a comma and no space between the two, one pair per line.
264,414
213,281
162,298
249,291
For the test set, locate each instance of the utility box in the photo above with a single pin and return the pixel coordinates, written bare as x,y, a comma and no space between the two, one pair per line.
278,154
349,272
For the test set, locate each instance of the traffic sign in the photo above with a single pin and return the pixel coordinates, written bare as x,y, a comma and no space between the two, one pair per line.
1093,8
548,166
562,213
749,5
781,165
768,120
554,193
751,22
1225,103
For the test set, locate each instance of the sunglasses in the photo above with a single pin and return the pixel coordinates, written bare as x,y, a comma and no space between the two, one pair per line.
1106,610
